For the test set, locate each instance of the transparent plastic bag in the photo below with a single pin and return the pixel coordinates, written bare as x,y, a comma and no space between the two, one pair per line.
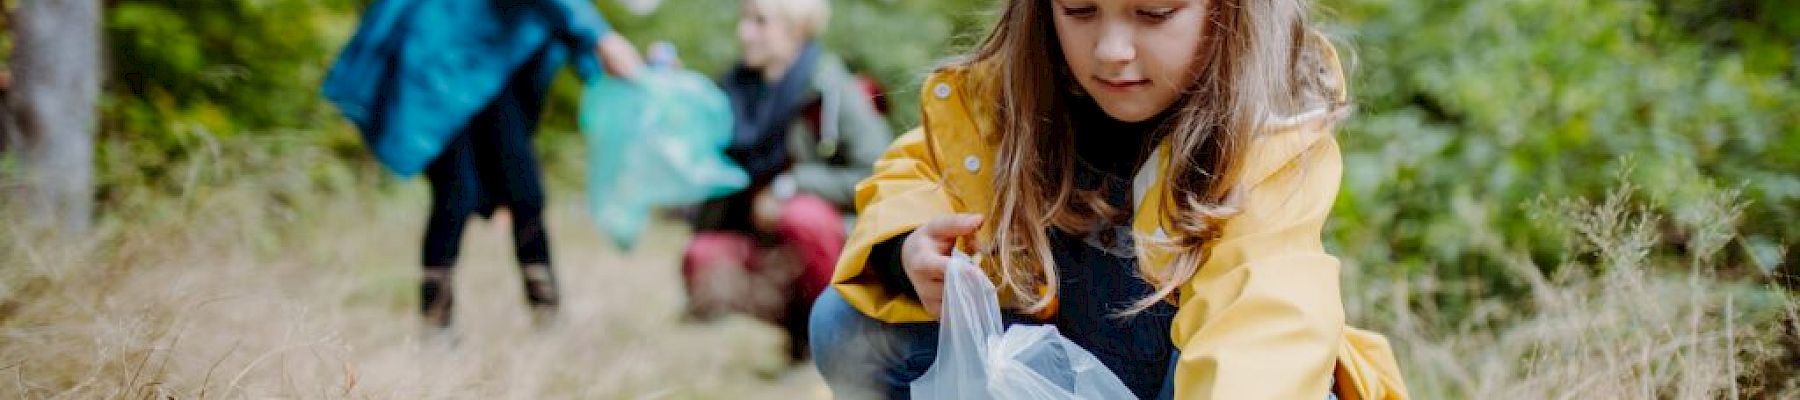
977,359
658,140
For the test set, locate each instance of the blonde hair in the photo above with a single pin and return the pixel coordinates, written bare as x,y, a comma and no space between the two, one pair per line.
1245,75
807,16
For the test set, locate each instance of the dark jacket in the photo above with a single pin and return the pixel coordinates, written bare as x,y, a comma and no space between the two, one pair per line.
826,162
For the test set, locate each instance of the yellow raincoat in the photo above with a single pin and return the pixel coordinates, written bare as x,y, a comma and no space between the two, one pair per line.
1262,319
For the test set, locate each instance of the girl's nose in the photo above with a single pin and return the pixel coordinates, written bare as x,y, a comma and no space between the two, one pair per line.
1115,45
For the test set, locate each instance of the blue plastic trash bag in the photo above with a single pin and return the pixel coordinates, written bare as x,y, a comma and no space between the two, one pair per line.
656,141
978,360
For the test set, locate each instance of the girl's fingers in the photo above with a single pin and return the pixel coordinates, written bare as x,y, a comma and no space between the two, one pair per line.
948,228
927,252
927,268
927,275
931,296
943,231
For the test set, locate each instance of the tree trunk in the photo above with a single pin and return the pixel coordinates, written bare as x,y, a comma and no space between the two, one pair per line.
55,84
9,134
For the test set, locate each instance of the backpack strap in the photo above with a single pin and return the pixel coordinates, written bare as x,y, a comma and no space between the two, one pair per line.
822,114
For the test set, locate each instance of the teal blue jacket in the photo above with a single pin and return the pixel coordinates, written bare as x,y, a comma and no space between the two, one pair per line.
417,71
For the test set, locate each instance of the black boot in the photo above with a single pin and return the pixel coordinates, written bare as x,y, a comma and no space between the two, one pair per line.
541,294
435,299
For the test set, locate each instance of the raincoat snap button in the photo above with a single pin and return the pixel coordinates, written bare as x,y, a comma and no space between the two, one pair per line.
972,163
942,91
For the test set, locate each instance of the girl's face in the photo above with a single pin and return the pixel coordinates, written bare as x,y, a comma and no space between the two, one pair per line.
1135,57
766,40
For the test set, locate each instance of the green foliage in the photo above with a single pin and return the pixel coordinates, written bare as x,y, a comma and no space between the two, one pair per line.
188,74
1469,109
6,23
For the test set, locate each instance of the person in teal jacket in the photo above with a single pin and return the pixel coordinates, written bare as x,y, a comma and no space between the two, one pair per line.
454,88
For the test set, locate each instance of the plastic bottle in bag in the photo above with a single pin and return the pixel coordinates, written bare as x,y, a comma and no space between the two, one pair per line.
978,358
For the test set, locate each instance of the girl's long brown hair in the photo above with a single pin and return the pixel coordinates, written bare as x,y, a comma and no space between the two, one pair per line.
1244,74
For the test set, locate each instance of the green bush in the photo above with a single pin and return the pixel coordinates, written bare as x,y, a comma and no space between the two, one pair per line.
1470,109
187,75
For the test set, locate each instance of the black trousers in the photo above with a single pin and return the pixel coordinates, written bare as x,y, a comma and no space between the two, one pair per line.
492,164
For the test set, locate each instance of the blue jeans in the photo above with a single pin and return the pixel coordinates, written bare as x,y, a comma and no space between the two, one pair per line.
861,357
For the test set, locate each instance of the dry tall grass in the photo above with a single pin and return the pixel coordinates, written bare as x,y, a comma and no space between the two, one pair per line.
254,281
221,293
1616,322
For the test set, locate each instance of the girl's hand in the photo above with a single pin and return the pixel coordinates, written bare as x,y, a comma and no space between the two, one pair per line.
927,250
618,56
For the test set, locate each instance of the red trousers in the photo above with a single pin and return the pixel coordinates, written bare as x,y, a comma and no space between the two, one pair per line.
728,271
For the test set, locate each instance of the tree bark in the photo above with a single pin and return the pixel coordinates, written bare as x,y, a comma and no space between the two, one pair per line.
55,85
9,134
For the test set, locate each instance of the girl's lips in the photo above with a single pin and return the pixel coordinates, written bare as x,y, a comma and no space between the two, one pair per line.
1123,85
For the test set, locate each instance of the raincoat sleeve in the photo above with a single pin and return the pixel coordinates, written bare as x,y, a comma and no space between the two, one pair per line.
579,26
902,194
1262,318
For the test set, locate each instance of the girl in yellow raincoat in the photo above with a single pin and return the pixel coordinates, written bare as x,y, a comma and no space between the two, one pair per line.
1150,176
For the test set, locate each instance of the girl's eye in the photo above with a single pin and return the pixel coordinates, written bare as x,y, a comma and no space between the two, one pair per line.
1156,14
1080,12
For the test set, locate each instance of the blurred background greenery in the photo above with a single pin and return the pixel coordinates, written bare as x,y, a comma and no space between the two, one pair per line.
1471,117
1467,110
